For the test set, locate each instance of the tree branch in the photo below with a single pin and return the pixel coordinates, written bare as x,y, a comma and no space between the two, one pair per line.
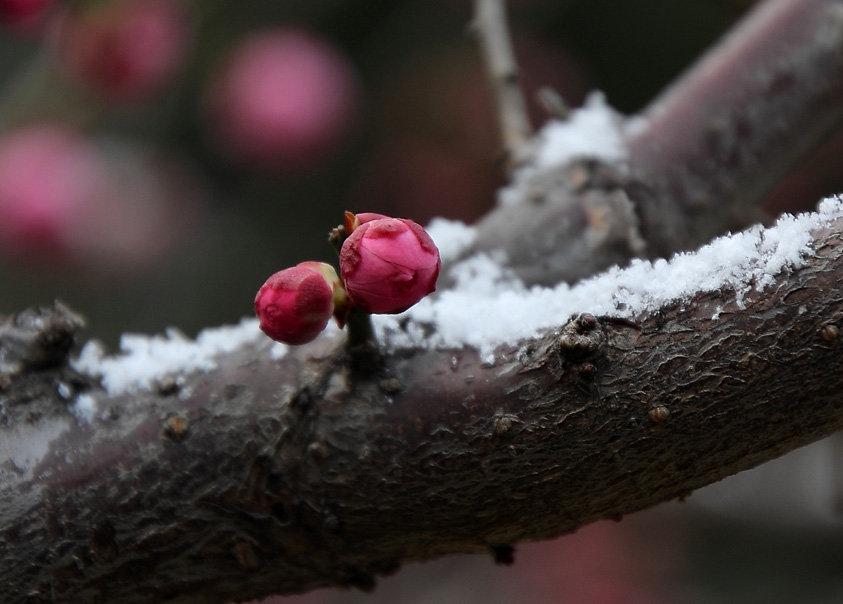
493,34
702,157
718,140
269,476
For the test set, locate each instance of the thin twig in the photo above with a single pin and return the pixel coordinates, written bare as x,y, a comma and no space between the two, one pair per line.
496,48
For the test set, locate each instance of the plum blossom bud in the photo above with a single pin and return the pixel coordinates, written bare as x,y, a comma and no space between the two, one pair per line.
295,304
352,221
364,217
388,264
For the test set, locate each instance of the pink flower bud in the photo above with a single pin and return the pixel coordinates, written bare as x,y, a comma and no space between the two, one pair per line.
128,50
388,264
295,304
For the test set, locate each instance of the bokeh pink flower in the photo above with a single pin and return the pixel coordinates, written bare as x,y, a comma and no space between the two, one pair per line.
126,51
68,201
284,100
50,183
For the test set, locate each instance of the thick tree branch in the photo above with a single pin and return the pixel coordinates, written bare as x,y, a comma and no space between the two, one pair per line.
701,157
718,140
281,476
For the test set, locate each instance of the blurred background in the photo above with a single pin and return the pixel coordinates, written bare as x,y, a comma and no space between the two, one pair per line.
160,158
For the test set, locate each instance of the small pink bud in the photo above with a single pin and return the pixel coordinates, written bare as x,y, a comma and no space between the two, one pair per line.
364,217
295,304
388,264
352,221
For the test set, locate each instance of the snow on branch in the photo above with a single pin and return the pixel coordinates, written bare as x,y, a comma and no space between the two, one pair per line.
227,468
239,473
489,307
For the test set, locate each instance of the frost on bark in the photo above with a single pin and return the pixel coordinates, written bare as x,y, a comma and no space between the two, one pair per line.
281,475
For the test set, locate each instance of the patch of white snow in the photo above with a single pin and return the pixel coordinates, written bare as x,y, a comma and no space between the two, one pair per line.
489,307
594,131
84,408
143,360
450,236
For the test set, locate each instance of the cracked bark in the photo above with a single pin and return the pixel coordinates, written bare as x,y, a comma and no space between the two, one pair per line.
280,476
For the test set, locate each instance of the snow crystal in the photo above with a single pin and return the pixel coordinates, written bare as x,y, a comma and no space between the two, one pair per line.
143,360
451,237
64,390
84,408
635,125
277,351
489,307
594,130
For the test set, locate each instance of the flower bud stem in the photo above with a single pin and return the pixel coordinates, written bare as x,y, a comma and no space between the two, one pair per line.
363,350
361,335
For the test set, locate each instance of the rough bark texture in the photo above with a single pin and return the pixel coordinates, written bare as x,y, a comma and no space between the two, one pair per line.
280,476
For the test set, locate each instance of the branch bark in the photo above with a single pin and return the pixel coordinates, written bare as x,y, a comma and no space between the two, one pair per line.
280,476
702,157
719,139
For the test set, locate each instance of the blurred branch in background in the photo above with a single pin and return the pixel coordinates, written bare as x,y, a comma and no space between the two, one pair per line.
490,27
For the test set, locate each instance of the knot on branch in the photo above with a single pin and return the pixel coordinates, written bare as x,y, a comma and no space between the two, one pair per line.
37,339
581,339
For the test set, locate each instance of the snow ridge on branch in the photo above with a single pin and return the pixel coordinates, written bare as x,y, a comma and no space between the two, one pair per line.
489,307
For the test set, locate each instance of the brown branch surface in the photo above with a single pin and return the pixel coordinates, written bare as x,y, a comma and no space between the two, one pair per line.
704,157
281,476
